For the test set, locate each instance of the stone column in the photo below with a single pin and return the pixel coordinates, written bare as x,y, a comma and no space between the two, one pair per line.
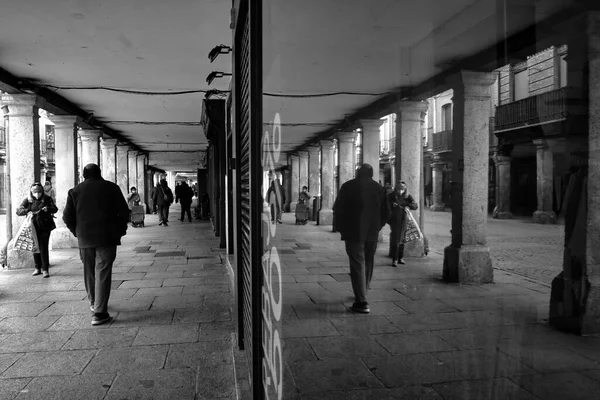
438,176
66,176
79,166
23,159
286,183
294,181
346,151
393,172
303,169
370,144
409,125
545,184
109,159
314,176
131,168
90,150
141,182
122,173
327,182
467,259
149,186
502,209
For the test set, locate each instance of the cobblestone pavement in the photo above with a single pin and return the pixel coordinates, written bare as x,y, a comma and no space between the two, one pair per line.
517,246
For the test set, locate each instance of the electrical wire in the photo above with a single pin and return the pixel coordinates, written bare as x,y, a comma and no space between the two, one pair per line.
180,123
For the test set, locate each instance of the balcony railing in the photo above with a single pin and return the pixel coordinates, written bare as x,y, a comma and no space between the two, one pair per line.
384,147
442,141
542,108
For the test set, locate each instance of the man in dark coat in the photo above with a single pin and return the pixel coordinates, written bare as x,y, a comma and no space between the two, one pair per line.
399,199
163,197
184,196
97,213
360,211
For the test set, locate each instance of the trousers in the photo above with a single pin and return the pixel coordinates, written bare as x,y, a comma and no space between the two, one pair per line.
41,260
97,274
362,257
163,213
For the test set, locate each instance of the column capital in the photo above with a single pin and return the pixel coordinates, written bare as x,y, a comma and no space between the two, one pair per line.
327,144
108,142
64,121
292,156
18,104
540,144
122,147
313,149
411,110
90,134
472,84
500,159
346,137
303,153
370,125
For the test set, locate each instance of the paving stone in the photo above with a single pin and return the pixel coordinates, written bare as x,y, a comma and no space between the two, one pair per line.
364,325
207,289
154,384
217,279
441,292
308,328
101,338
550,358
133,304
203,314
216,382
23,309
412,343
469,339
472,304
492,389
322,310
295,350
166,334
117,294
34,341
129,276
428,306
77,321
26,324
141,283
202,354
313,278
10,388
6,360
211,331
350,347
174,302
125,359
143,318
67,307
6,296
62,296
408,392
72,387
158,291
411,369
314,376
148,268
163,275
483,363
50,363
559,386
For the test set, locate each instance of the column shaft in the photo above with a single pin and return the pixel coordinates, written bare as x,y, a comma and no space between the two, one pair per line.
314,175
141,182
303,165
346,152
467,259
122,173
327,181
286,183
370,144
132,169
90,150
294,181
502,210
108,154
545,184
438,176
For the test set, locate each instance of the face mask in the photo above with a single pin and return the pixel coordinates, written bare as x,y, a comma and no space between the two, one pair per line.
37,195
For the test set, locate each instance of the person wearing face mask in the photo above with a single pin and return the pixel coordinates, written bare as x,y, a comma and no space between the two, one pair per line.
41,206
399,199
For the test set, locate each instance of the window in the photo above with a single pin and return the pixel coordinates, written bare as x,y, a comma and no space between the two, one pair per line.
446,117
521,85
563,71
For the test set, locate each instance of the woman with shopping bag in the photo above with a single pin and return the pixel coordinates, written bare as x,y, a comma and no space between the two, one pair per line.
40,208
399,200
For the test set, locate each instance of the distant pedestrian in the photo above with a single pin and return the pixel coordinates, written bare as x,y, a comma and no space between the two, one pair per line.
154,207
360,211
428,194
49,191
184,196
97,214
42,208
163,196
399,199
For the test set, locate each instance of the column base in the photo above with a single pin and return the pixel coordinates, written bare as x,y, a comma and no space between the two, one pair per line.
544,217
566,313
437,207
292,207
18,259
500,214
325,217
469,264
62,238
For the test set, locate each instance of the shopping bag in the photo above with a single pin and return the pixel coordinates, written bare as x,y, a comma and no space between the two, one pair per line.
26,238
412,230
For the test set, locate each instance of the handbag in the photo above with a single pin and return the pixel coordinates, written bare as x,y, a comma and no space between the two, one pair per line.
26,238
412,231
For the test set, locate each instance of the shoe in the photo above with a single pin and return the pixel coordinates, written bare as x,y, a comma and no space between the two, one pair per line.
394,263
279,221
36,271
401,261
361,307
100,318
165,224
92,309
46,274
190,220
160,223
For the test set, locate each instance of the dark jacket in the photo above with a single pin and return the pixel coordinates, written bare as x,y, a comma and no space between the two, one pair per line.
42,220
397,204
184,194
360,210
162,190
96,213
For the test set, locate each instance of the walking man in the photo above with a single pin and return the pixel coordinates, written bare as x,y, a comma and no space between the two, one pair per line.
360,211
184,196
97,213
163,197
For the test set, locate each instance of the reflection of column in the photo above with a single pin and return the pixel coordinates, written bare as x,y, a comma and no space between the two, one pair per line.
327,181
90,150
286,183
23,152
141,182
393,172
79,165
438,176
410,117
122,168
544,213
346,151
467,259
294,181
66,175
109,159
314,175
370,144
131,168
502,209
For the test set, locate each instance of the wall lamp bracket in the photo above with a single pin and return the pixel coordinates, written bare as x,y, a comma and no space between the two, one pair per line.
220,49
215,74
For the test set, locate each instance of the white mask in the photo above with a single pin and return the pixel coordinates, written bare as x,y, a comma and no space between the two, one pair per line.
37,195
